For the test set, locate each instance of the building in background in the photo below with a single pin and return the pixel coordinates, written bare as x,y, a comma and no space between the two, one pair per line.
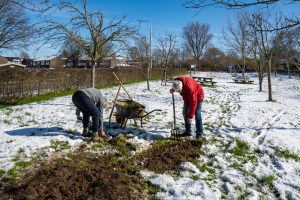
9,65
48,62
3,60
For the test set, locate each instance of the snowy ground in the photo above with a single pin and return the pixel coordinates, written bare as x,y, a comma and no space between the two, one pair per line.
233,114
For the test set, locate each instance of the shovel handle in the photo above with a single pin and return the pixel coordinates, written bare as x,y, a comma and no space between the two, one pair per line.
174,115
121,83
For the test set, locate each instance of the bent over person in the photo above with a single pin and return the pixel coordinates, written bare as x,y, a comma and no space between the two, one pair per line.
91,102
193,96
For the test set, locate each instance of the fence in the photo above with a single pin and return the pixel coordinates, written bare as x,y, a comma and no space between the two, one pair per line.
19,84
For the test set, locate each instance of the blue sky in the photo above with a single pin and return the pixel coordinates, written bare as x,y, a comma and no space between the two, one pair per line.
164,16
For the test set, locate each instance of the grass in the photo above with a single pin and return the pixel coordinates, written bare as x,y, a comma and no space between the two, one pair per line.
287,155
203,167
8,122
244,195
59,145
266,180
2,172
240,149
43,97
21,150
13,173
23,164
9,111
195,178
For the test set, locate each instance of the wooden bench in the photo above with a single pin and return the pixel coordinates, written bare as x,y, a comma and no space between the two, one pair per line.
244,80
204,80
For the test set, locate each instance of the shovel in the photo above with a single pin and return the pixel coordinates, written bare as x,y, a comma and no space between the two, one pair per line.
175,130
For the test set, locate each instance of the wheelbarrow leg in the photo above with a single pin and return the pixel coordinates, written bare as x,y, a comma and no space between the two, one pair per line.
125,122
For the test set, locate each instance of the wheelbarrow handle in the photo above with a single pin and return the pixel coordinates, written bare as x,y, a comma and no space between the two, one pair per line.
148,113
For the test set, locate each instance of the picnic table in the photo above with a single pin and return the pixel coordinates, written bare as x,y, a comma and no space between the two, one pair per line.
245,80
204,80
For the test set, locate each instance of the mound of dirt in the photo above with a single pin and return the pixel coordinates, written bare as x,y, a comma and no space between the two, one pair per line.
81,176
169,155
84,175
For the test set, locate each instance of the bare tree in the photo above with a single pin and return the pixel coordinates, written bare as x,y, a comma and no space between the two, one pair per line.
196,38
287,47
72,51
237,38
265,40
143,55
258,58
15,28
234,4
214,58
166,45
88,30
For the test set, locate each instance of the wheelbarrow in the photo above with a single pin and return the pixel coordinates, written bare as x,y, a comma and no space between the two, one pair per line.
129,109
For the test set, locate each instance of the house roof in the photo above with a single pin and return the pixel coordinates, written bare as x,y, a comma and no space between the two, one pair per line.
45,58
12,58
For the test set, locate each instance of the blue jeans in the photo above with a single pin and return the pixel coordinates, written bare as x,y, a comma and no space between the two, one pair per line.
88,108
198,118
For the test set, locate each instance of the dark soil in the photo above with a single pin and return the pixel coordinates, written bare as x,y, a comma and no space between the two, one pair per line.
84,175
169,155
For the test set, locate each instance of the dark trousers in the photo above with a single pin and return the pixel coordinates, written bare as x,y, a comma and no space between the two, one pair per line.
88,108
198,118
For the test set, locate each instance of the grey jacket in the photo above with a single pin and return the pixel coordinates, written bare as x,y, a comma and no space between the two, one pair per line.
96,96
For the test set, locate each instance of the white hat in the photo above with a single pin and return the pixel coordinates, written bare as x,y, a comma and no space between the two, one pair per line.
177,85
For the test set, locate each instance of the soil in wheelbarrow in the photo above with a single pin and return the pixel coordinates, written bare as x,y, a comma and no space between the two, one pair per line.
133,105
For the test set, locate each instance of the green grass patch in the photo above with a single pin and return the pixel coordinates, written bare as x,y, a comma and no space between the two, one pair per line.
13,173
59,145
8,122
27,114
8,111
287,155
122,145
244,195
21,150
202,166
237,165
240,149
266,180
195,178
43,97
23,164
2,172
147,186
97,145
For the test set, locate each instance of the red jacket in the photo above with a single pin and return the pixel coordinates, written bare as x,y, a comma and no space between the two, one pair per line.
192,92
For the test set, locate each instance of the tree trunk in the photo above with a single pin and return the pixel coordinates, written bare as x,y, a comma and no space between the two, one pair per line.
93,74
244,66
148,77
260,78
165,75
270,79
288,68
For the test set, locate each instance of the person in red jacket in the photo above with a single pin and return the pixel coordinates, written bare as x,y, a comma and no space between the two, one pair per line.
193,96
